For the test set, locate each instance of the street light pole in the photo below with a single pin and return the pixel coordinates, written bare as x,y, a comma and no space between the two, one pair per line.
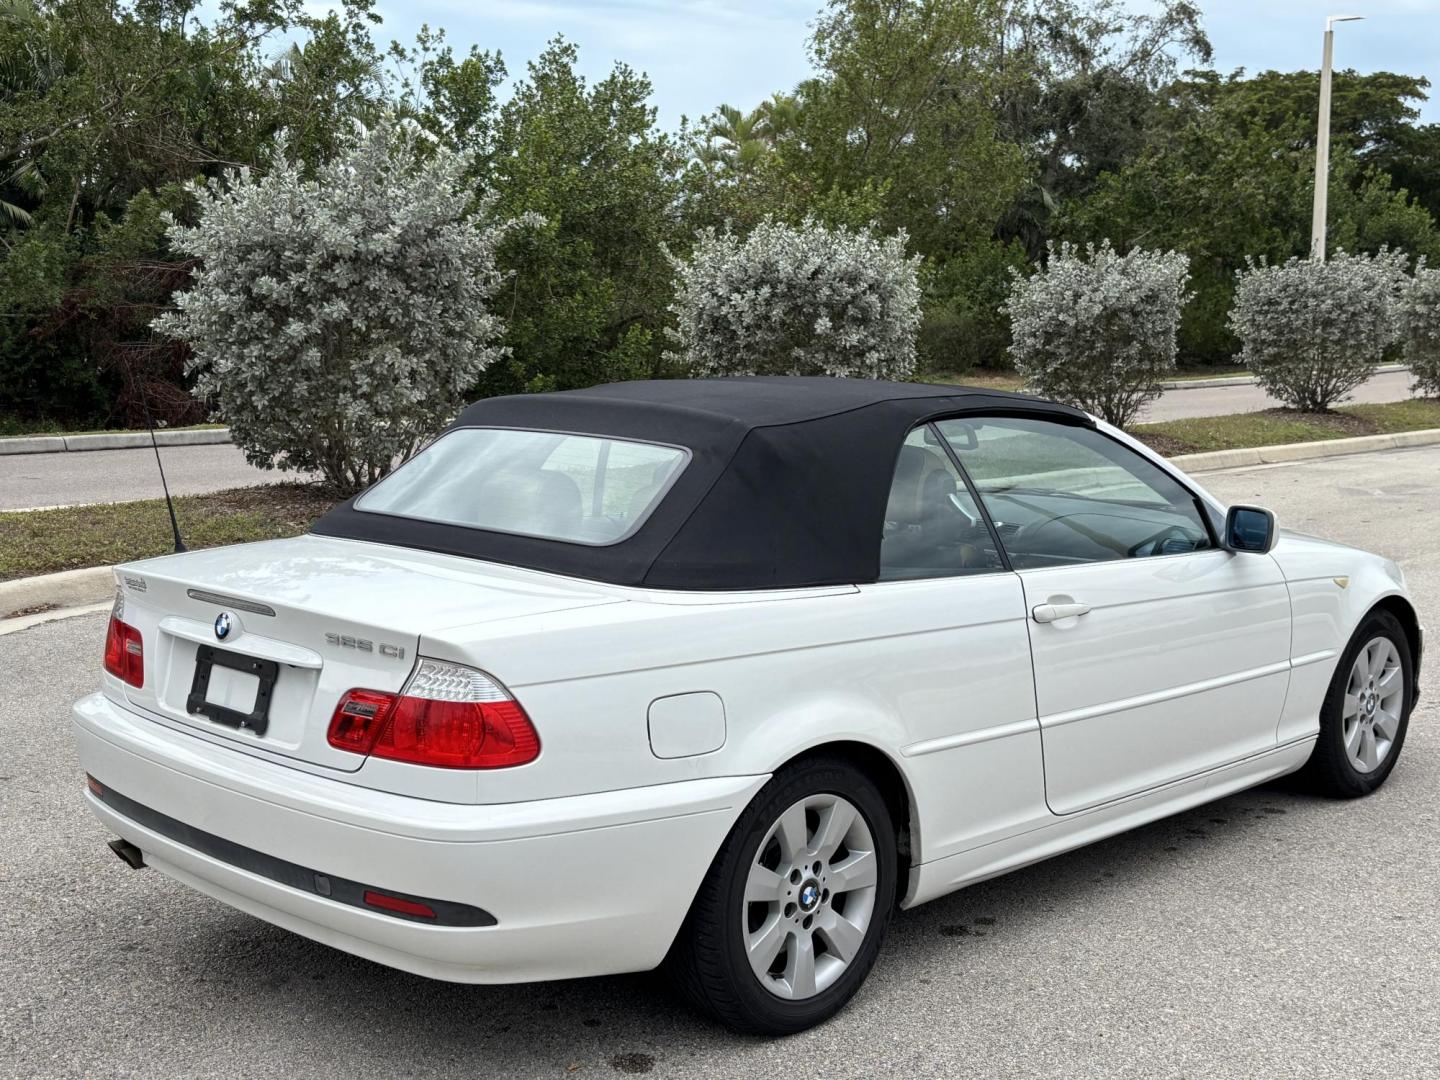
1322,142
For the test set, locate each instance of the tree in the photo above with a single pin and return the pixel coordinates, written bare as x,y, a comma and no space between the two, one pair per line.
1313,331
1419,324
338,322
1098,329
1228,173
742,169
458,99
902,107
1078,84
797,301
106,105
586,291
1412,160
734,140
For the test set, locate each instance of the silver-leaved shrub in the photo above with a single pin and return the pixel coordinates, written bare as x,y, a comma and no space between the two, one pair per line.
1419,324
788,300
336,322
1098,329
1310,331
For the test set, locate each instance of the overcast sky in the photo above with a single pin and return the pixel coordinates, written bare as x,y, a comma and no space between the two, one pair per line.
699,53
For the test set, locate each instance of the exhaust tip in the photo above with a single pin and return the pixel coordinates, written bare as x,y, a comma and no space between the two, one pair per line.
128,853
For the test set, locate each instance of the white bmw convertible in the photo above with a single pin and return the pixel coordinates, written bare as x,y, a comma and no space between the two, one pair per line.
717,674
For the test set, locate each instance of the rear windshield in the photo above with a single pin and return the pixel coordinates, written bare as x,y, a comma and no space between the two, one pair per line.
581,488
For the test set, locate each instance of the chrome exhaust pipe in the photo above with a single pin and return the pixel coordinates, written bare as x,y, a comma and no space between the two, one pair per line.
131,855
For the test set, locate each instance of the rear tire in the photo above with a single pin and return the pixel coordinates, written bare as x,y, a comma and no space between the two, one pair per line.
790,918
1366,712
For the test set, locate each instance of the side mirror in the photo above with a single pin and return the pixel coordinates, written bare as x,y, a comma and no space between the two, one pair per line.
1249,528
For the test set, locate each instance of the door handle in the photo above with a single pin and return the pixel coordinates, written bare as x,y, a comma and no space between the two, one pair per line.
1044,613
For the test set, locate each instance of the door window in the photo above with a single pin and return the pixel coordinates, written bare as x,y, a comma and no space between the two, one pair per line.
932,525
1061,494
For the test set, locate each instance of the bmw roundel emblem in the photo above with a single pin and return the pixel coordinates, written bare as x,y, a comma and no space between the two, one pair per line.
222,625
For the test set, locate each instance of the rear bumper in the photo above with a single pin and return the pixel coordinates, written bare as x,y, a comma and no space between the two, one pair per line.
586,885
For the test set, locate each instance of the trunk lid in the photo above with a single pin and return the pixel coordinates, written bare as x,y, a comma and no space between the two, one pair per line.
311,617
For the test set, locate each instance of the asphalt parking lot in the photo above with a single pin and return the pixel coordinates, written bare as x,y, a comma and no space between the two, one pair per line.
1267,935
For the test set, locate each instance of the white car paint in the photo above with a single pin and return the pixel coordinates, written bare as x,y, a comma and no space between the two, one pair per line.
1192,676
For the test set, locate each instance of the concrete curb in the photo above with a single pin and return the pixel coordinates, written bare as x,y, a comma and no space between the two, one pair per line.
1306,451
25,622
118,440
1246,380
69,588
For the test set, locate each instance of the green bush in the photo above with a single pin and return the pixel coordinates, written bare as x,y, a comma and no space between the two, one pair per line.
1097,329
1419,325
962,325
1313,331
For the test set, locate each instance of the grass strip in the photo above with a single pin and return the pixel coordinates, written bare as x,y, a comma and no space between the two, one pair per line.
47,541
1274,427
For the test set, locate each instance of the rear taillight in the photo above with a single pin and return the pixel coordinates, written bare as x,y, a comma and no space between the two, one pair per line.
358,720
448,715
125,652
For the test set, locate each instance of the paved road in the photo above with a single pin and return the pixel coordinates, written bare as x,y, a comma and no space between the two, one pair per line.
120,475
1220,400
1267,935
96,476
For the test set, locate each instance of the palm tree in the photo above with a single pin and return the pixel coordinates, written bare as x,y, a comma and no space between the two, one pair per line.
732,140
779,118
736,141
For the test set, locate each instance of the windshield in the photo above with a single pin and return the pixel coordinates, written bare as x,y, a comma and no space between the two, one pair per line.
581,488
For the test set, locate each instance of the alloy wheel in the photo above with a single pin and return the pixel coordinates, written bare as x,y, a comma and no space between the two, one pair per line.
810,896
1374,703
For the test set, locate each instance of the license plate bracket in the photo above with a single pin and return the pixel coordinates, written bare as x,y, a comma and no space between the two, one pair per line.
207,658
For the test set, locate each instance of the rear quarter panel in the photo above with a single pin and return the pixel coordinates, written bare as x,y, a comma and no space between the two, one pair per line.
908,668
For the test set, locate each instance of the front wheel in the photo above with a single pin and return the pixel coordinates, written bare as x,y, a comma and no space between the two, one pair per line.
1366,711
789,920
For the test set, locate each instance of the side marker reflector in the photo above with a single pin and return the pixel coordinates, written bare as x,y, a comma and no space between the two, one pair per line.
399,905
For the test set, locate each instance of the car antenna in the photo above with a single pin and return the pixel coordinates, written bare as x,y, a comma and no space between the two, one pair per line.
155,445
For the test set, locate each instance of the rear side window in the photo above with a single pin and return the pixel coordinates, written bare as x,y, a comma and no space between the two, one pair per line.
585,489
932,525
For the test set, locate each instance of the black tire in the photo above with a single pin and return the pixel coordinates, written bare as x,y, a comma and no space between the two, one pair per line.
708,962
1330,771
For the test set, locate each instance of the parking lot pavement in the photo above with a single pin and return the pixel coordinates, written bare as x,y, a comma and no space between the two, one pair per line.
1267,935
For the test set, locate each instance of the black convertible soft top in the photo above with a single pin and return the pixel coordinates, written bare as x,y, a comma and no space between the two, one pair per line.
786,486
